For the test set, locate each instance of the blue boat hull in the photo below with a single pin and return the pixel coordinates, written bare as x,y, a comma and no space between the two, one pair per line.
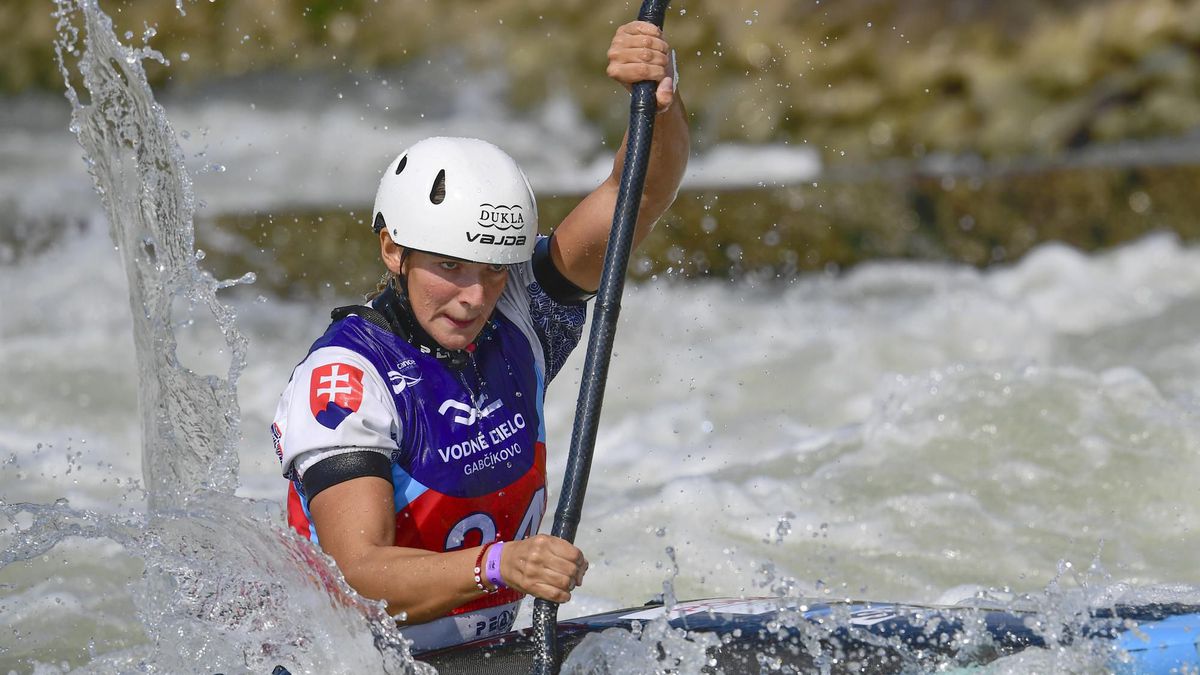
864,637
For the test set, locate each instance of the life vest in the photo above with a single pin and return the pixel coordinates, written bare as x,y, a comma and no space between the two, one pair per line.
470,463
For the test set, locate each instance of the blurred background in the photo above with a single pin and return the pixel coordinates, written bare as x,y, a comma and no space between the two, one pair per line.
832,132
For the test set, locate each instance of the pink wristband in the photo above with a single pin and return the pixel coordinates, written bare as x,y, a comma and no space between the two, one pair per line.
493,565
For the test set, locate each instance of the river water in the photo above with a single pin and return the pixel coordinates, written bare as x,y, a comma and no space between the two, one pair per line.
903,431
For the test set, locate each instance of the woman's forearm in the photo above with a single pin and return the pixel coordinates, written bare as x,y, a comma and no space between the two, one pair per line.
669,152
417,585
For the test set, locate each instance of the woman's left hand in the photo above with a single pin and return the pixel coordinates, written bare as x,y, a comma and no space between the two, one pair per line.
639,53
543,566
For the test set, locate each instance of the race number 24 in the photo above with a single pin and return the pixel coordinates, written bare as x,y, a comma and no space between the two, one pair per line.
486,527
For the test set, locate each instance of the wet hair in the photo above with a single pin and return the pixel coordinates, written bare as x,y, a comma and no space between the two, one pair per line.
388,278
380,285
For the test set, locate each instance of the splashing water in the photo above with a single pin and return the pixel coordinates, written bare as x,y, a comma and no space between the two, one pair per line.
655,647
189,421
211,584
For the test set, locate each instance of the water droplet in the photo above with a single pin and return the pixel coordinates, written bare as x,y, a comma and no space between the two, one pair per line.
184,56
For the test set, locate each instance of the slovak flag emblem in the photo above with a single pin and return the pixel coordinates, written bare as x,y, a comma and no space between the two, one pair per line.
334,392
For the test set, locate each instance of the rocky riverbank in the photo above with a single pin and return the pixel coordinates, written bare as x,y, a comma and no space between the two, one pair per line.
859,79
1015,94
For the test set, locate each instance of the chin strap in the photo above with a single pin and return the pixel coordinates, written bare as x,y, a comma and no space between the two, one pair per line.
391,311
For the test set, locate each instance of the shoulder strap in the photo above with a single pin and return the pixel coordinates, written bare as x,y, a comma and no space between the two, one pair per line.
368,313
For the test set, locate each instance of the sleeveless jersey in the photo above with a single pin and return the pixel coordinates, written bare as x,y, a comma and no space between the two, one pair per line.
467,448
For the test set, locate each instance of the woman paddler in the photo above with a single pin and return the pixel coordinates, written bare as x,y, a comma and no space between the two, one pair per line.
413,433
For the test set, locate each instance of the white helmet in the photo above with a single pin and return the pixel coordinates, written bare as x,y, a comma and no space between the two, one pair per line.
459,197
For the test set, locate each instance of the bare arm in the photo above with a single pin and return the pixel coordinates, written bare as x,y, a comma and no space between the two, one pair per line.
356,522
638,53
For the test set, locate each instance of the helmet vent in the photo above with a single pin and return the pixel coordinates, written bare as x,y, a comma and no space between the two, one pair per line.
403,163
379,224
438,194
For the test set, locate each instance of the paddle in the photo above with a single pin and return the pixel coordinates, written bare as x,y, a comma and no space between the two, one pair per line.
604,328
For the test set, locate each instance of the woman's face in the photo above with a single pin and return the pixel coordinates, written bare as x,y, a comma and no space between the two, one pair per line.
452,299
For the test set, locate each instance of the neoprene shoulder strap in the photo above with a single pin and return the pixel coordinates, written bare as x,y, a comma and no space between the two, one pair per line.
367,312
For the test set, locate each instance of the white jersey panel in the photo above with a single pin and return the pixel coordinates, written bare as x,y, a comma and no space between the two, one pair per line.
335,399
514,303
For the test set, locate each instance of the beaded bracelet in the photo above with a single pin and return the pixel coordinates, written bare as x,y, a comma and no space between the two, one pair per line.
493,565
479,571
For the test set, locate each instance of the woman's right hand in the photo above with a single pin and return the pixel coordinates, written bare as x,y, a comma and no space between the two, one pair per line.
639,53
543,566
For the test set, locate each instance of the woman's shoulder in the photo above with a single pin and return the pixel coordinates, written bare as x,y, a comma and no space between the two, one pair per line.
351,345
361,330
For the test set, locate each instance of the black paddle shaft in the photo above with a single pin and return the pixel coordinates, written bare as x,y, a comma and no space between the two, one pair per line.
604,329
